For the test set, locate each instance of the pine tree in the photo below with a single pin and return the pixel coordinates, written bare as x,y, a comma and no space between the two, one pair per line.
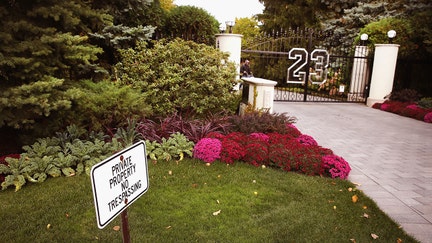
44,47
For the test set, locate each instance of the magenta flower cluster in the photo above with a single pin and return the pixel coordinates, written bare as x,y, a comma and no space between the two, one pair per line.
260,136
336,166
428,117
293,151
208,149
307,140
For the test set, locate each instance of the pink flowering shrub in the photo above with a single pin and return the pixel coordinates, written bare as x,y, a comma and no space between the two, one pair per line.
256,152
336,166
292,129
428,117
259,136
231,151
413,107
385,107
289,152
208,149
306,140
407,109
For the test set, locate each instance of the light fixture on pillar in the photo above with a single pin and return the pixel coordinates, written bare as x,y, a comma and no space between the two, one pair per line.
222,28
230,24
364,38
391,35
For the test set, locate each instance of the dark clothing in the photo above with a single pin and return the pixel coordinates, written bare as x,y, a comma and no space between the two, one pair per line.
245,70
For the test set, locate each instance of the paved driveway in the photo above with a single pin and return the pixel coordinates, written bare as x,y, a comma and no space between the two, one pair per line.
390,156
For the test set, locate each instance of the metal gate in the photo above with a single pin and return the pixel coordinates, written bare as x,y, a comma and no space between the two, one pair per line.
310,67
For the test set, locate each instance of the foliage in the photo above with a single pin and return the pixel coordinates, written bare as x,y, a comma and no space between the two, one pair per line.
248,27
425,103
428,117
22,105
167,4
3,162
128,135
350,17
405,95
336,166
193,129
377,32
191,23
175,147
180,76
258,121
105,105
43,46
282,151
306,140
408,109
65,154
282,14
208,150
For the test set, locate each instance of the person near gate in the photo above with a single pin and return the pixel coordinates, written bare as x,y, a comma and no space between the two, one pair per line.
245,70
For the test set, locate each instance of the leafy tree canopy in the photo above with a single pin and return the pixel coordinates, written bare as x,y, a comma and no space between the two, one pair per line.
248,27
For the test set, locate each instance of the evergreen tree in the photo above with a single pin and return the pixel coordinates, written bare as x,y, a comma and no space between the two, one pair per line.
43,47
346,24
133,21
286,14
191,23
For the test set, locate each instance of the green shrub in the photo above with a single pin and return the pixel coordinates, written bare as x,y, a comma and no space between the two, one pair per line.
425,103
405,95
180,76
105,105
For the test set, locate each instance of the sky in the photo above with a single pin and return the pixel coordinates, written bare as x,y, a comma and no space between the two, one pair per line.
226,10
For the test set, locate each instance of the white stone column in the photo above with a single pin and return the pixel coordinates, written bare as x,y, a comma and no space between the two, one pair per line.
261,93
231,43
383,72
359,74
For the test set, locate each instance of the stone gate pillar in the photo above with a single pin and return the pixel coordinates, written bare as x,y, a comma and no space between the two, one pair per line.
231,43
383,72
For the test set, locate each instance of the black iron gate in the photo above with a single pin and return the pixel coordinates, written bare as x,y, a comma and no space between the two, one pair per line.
309,67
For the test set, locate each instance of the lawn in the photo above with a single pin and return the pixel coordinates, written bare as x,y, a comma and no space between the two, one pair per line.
192,202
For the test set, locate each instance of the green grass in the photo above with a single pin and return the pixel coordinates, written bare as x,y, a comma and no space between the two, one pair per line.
179,208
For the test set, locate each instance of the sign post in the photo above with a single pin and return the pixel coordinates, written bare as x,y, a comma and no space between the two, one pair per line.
117,182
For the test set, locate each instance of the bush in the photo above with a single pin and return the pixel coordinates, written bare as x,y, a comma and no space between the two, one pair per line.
405,109
106,105
193,129
281,151
425,103
180,76
208,150
261,122
405,95
428,117
336,166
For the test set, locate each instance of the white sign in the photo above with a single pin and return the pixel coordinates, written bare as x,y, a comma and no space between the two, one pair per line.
118,181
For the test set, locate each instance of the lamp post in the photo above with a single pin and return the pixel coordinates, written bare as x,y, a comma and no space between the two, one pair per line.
230,24
391,35
222,28
364,38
